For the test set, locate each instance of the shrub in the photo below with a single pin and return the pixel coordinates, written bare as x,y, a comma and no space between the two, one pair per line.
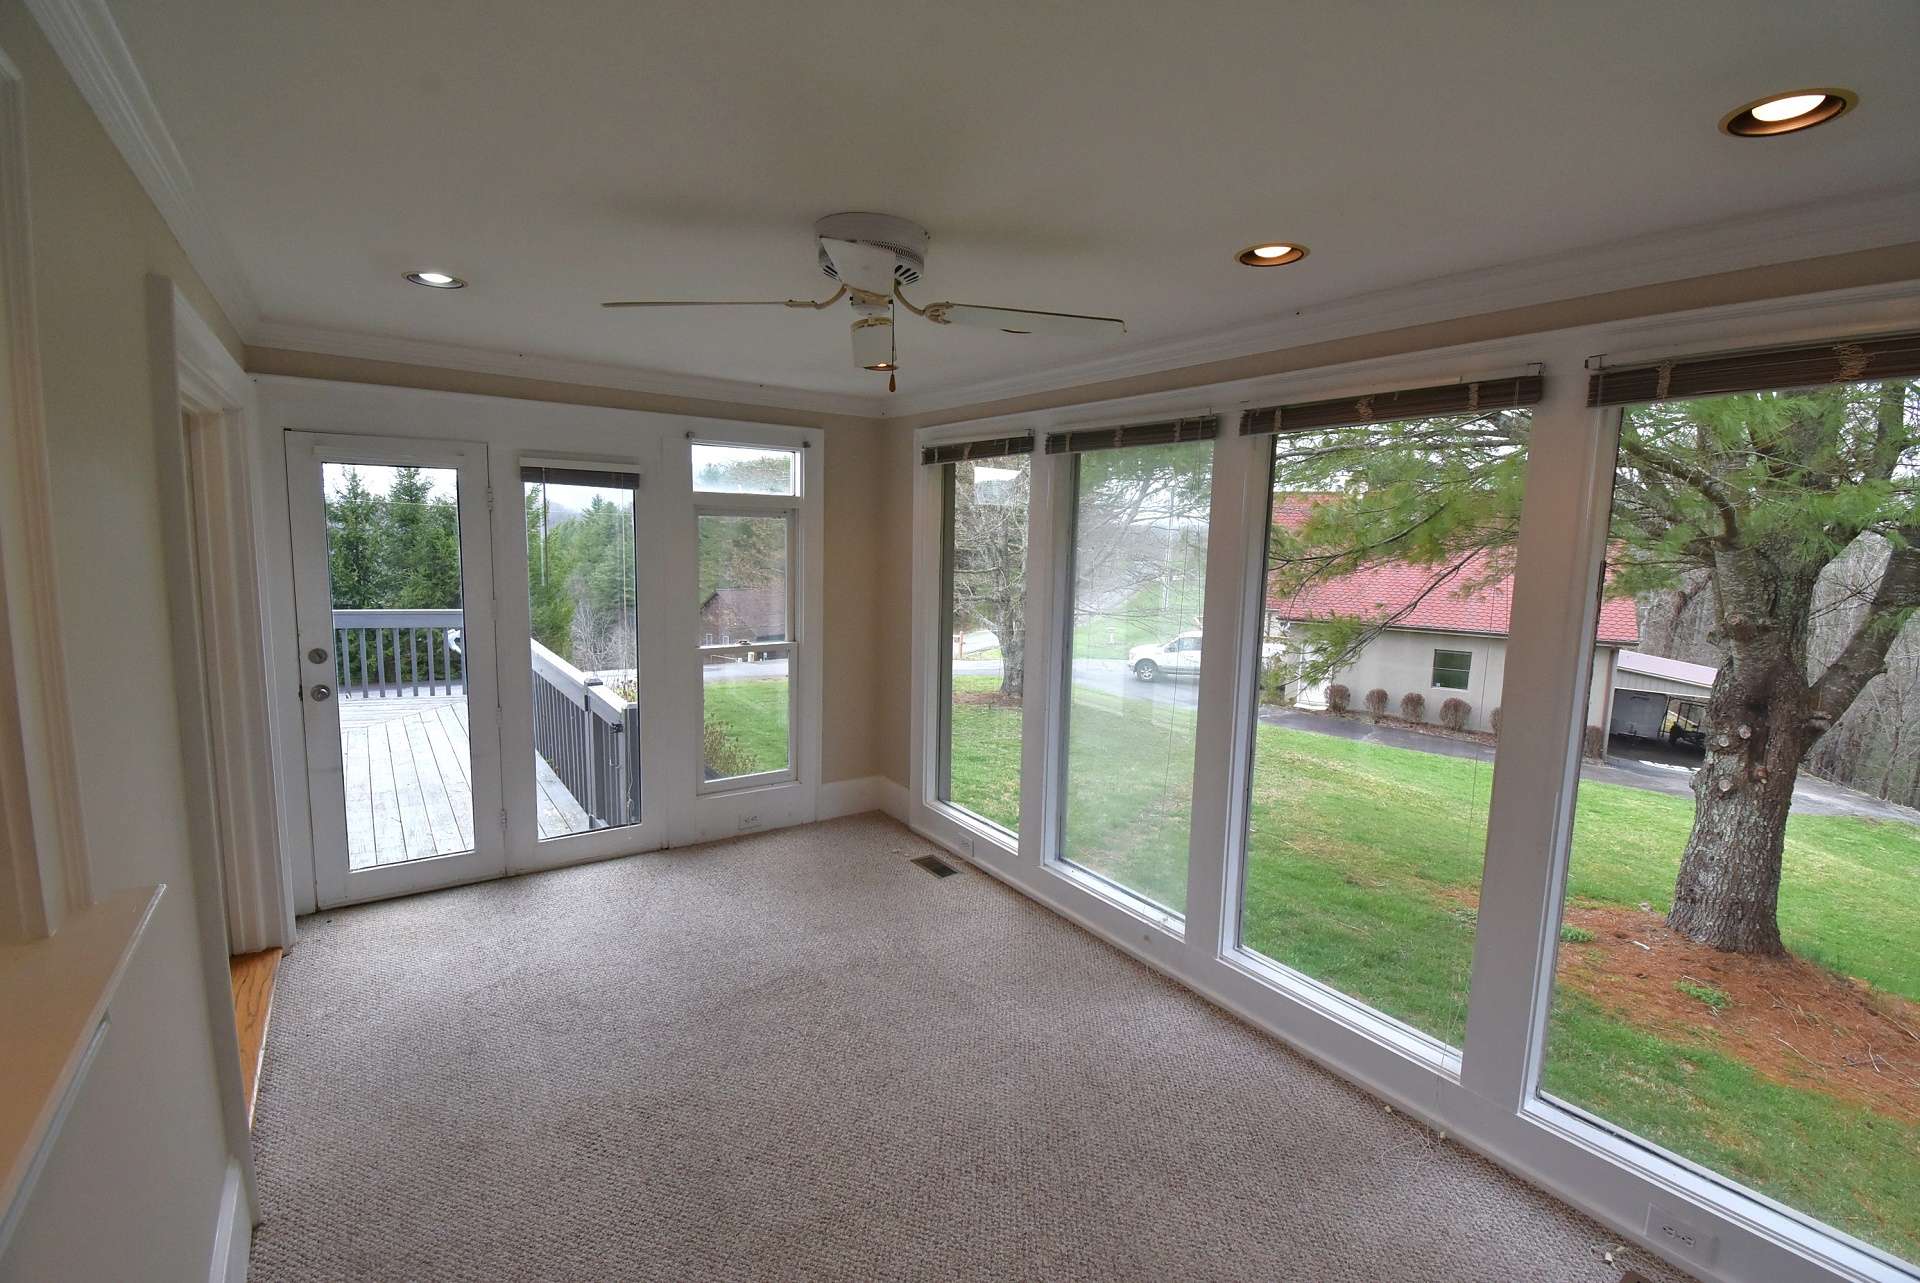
1413,706
1339,698
1275,674
1596,742
1493,720
1715,998
725,755
1454,713
1377,702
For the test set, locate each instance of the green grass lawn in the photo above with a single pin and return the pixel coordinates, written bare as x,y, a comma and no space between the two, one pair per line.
1363,867
754,712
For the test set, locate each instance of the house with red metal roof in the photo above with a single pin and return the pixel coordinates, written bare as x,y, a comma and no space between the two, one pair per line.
1442,629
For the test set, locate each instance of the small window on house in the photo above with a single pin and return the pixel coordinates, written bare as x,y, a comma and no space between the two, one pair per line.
739,469
1452,669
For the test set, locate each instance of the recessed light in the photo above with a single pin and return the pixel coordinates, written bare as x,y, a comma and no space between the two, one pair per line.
1788,113
1272,254
437,280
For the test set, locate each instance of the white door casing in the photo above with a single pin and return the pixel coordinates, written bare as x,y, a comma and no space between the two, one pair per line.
336,882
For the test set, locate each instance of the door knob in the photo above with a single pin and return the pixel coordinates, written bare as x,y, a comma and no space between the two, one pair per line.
320,691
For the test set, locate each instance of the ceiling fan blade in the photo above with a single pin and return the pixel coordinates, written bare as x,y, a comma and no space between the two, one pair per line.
710,302
1017,320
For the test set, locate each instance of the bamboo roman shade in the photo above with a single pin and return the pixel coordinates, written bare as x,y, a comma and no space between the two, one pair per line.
1806,365
1387,407
1169,432
991,448
539,476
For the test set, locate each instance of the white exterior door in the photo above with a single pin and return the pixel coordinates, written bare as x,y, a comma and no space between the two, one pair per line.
393,595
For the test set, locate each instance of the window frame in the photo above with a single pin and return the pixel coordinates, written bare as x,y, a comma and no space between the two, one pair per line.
1465,674
552,848
772,506
1486,1094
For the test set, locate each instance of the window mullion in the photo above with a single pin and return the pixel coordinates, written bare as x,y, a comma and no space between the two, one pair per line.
1228,673
1561,544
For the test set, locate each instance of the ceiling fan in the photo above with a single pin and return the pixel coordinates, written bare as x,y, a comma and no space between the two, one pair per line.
872,256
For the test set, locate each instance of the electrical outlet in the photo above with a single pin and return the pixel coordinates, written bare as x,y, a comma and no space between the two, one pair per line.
1683,1237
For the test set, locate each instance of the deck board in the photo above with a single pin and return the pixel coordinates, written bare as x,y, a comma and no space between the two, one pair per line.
408,781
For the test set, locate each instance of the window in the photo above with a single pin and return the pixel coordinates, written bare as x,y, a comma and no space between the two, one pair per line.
582,595
1738,975
1139,550
984,594
1452,669
1368,805
745,597
734,469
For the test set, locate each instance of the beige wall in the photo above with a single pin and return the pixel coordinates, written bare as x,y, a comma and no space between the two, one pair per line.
1401,662
132,1189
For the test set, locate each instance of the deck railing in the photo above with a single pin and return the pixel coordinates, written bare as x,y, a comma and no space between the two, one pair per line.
589,736
381,654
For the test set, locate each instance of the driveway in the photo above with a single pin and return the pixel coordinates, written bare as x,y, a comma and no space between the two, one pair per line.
1655,771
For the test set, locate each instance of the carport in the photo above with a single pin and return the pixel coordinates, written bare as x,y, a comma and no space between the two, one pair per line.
1647,688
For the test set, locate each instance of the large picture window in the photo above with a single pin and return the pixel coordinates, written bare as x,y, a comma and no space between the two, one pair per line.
1738,977
582,595
745,628
1139,555
983,637
1389,572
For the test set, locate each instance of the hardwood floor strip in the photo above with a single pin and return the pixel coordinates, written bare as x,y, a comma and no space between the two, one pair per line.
253,975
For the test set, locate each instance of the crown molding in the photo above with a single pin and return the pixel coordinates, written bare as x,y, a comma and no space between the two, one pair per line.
552,369
1803,232
88,41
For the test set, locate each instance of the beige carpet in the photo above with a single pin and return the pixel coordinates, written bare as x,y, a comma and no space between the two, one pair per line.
797,1056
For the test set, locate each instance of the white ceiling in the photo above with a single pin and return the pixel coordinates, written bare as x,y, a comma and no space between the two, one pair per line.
1097,157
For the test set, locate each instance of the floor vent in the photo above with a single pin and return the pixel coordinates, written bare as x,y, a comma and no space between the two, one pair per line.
935,865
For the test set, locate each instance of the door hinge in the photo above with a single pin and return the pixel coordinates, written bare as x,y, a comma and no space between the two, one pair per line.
489,498
503,820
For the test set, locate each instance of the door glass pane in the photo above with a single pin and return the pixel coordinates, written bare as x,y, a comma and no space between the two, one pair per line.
585,649
737,469
1388,590
1738,977
985,558
1139,575
393,563
744,608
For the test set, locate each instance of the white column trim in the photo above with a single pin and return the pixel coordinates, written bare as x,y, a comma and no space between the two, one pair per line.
44,869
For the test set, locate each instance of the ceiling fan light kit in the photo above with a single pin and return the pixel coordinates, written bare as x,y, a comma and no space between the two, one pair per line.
870,257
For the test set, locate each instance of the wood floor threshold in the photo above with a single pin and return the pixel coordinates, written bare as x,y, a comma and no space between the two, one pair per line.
253,975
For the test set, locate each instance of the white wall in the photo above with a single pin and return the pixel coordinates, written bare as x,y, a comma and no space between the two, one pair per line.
1401,661
133,1187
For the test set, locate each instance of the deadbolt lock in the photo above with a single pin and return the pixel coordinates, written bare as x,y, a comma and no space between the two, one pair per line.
318,655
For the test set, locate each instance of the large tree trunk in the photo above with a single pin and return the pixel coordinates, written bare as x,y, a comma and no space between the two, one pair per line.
1728,890
1759,726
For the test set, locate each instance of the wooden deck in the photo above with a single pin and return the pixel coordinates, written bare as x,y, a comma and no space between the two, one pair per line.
409,781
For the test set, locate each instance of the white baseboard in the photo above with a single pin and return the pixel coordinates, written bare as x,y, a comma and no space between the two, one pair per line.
232,1233
855,797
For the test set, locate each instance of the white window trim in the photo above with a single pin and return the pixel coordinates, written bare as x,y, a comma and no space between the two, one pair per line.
769,799
654,444
1484,1095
